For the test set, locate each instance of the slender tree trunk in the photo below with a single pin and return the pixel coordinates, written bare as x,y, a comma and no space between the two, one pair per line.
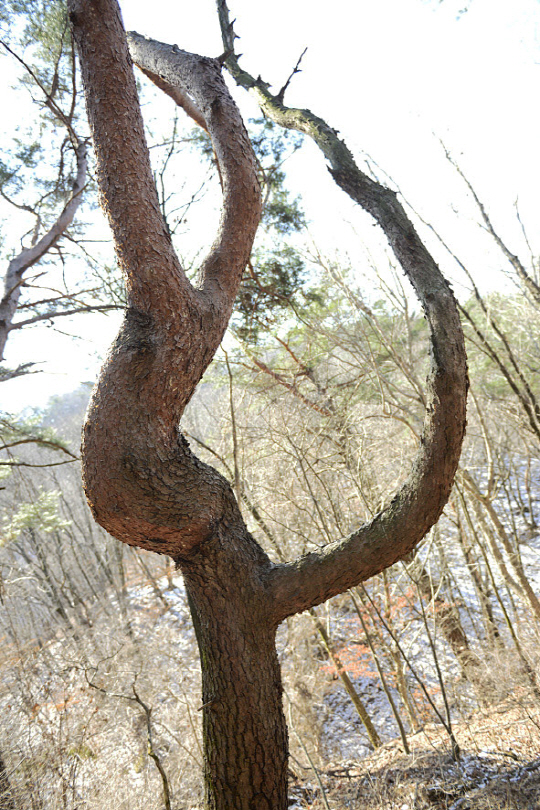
519,582
493,636
347,683
450,625
403,689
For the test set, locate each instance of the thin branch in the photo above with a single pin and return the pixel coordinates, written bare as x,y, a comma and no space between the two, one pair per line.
38,466
30,256
54,313
49,100
529,283
296,69
37,440
151,750
20,371
150,745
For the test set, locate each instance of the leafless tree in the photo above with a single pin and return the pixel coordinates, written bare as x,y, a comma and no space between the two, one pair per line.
60,102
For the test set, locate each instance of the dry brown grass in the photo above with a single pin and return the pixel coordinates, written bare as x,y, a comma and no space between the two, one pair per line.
499,769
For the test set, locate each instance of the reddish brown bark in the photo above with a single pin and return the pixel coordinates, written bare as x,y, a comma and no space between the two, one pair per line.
134,458
244,729
143,483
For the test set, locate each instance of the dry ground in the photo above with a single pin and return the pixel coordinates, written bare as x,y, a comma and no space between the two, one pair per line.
499,769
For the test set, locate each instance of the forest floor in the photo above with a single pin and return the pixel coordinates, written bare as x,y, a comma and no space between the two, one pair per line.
498,769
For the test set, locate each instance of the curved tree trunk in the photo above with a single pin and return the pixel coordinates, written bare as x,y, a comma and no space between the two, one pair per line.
144,484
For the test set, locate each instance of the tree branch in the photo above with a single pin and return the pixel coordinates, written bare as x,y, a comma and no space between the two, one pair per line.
296,69
55,313
50,443
418,504
27,464
527,281
172,329
30,256
49,97
186,75
178,95
20,371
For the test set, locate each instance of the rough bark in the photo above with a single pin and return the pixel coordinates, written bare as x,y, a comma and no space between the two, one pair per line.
143,483
244,729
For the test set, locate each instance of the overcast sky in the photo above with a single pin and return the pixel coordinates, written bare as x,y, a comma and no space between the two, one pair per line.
393,76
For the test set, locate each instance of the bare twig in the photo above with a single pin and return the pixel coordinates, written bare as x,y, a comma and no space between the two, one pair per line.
296,69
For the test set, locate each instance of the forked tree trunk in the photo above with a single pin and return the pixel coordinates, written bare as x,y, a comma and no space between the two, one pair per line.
143,483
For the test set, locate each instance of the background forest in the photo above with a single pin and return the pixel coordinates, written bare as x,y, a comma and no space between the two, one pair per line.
420,689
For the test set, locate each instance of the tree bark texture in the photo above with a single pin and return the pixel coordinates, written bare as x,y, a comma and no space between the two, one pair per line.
144,484
244,729
133,455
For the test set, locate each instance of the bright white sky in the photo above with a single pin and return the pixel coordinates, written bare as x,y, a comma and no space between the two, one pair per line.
392,76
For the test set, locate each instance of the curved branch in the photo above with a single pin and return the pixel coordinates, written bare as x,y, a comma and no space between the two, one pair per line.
418,504
156,283
52,314
142,482
182,75
178,95
124,174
